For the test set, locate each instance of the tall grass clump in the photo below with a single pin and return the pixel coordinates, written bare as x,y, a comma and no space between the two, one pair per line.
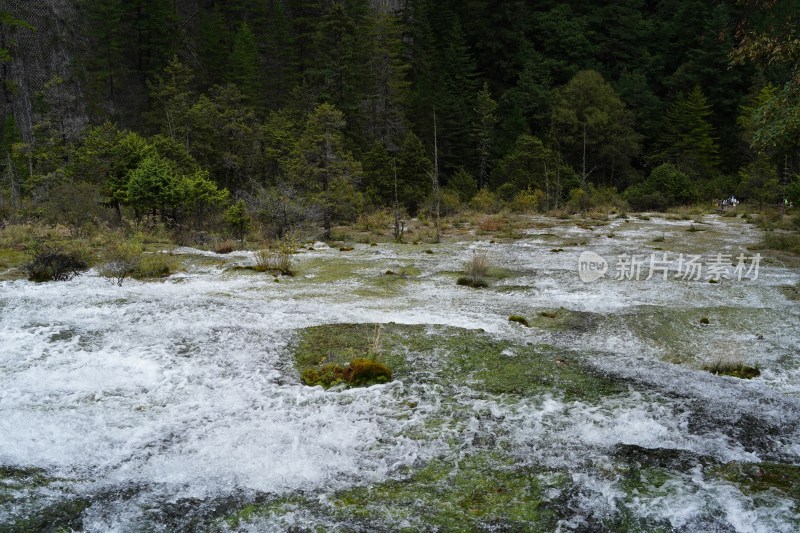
276,260
224,247
736,369
476,271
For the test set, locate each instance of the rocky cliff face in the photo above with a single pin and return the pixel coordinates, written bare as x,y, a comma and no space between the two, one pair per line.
48,81
43,76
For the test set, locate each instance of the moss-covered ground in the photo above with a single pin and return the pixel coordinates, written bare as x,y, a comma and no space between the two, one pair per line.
47,516
454,356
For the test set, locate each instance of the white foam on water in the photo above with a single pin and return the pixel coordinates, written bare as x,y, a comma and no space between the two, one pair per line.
185,387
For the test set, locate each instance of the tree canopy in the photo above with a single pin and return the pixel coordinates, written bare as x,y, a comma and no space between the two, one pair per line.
323,108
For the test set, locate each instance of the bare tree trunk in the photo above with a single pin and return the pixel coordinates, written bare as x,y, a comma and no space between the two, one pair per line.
398,235
436,190
13,182
583,173
558,185
547,188
326,209
784,179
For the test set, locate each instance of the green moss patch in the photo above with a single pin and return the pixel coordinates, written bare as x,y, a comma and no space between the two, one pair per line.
474,283
678,336
754,478
330,269
64,515
562,319
519,320
13,479
483,492
155,266
359,373
12,258
263,508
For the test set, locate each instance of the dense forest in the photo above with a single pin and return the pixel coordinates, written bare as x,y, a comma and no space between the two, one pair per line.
292,112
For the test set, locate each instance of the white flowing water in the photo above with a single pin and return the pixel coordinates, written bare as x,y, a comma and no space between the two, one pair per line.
166,398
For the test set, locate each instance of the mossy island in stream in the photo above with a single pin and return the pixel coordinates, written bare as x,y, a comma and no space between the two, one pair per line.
335,354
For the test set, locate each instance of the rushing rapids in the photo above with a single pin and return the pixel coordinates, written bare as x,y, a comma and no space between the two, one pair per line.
176,405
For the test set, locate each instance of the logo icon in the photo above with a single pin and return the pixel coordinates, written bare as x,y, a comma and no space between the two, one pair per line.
591,267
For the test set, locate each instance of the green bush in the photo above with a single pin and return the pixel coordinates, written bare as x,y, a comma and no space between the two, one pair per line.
238,220
153,266
578,199
506,192
528,201
665,187
469,282
484,202
463,184
450,203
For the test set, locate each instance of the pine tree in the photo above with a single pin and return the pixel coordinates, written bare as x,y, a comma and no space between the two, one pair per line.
593,127
152,187
154,26
379,167
387,97
562,37
276,39
426,78
455,111
225,137
496,31
528,165
689,142
414,169
483,132
172,96
305,16
104,64
214,43
525,106
243,65
463,184
339,68
324,169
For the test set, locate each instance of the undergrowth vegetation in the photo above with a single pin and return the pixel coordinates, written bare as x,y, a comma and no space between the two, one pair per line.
275,260
50,263
359,373
122,258
476,271
736,369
